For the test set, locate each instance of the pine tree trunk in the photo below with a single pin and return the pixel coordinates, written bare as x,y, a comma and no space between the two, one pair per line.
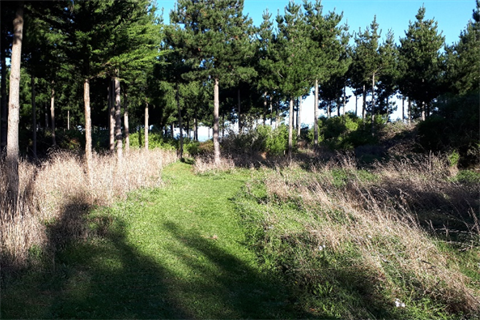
146,126
118,120
329,110
423,110
290,129
14,108
338,107
364,103
344,99
403,109
296,115
88,130
125,122
111,115
315,115
373,103
34,119
239,112
356,105
299,117
180,125
4,108
216,107
68,119
409,111
195,124
52,114
264,108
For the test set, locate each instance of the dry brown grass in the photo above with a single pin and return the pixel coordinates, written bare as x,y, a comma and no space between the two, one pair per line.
204,165
58,192
381,217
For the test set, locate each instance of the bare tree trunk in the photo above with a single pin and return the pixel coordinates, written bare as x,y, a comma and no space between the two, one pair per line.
356,105
329,110
111,115
4,109
290,129
68,119
216,107
409,110
264,108
239,112
118,119
364,103
180,125
315,115
34,119
14,108
373,104
295,115
403,109
88,130
423,110
52,113
273,106
125,122
146,125
195,124
299,117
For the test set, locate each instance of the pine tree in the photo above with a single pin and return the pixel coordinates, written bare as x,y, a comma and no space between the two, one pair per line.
463,58
367,61
324,47
217,37
292,56
421,62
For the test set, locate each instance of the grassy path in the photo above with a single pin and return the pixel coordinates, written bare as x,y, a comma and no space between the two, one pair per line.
174,252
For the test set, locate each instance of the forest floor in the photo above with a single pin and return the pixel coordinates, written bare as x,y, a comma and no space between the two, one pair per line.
173,252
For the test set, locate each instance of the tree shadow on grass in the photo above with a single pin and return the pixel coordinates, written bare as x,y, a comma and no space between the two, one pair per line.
94,271
236,288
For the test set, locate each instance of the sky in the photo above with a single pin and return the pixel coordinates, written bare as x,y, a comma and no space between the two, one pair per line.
452,17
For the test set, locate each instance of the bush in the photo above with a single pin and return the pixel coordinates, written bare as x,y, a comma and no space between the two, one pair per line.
345,132
258,140
155,141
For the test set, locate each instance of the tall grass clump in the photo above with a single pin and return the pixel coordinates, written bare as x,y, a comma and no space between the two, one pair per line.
55,196
362,244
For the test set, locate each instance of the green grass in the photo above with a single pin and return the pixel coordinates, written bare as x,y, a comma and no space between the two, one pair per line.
174,252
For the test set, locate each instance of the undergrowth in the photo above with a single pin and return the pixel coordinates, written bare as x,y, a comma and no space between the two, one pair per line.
399,241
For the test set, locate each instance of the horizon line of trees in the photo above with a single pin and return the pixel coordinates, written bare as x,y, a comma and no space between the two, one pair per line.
116,65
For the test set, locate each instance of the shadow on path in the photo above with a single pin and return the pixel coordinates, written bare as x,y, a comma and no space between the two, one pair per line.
98,273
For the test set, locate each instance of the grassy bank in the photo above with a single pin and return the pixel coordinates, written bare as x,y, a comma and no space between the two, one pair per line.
398,241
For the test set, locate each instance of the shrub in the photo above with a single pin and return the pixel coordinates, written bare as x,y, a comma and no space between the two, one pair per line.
155,141
346,132
258,140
